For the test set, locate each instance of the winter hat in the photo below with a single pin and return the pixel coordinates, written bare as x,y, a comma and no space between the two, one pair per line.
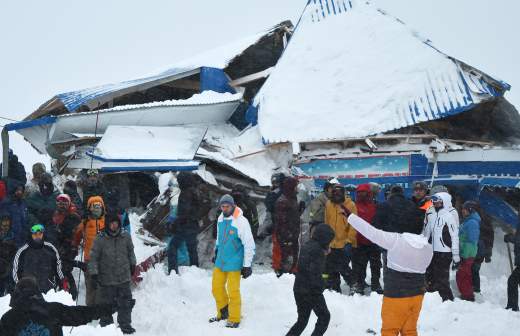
330,182
363,187
437,189
396,189
227,199
63,198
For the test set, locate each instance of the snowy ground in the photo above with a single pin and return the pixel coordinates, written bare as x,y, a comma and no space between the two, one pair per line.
173,305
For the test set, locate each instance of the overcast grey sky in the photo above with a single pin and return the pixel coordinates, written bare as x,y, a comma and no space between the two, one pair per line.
56,46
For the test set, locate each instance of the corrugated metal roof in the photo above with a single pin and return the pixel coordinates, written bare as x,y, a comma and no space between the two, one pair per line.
351,70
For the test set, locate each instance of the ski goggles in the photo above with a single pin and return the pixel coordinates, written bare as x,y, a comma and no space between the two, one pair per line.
436,199
37,228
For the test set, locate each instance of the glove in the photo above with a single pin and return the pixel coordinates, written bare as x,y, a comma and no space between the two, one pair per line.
246,272
65,285
508,238
132,270
95,281
455,265
215,256
73,292
302,206
81,265
487,259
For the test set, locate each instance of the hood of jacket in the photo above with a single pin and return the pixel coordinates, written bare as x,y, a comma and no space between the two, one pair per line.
95,199
323,234
289,187
446,200
26,290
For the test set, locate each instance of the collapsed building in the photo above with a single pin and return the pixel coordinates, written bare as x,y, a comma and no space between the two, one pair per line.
349,92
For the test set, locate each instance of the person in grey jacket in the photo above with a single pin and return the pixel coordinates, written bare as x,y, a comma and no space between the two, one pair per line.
112,264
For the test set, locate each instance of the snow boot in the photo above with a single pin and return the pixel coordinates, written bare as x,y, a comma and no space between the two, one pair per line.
357,288
515,309
106,322
127,329
233,325
376,287
224,314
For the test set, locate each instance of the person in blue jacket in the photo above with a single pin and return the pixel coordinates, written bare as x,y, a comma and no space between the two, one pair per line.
17,208
234,252
469,233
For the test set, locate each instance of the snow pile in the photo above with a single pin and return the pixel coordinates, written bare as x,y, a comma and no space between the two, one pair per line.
173,305
355,74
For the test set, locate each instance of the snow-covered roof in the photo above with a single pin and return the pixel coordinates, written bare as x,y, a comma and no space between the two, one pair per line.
351,70
217,58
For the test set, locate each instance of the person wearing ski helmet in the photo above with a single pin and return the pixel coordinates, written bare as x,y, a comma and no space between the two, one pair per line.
40,259
317,206
234,252
337,260
111,266
469,232
443,231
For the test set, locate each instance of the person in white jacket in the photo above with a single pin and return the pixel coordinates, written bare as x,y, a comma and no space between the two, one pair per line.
408,256
442,229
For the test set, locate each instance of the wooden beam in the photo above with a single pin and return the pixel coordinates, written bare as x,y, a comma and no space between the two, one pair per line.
251,78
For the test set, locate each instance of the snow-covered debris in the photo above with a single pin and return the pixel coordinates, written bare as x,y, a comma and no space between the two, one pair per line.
150,143
359,73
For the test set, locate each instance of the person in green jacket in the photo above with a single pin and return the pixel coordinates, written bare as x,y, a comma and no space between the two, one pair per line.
469,233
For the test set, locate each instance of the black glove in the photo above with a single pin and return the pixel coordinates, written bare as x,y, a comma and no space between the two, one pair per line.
455,265
509,238
73,291
81,265
95,281
215,256
246,272
487,259
132,270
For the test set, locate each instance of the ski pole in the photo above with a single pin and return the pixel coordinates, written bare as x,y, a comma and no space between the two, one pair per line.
79,284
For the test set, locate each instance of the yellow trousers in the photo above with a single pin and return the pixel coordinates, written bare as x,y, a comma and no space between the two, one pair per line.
226,291
400,315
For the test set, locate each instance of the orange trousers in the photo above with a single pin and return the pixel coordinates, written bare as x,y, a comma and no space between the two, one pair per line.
400,315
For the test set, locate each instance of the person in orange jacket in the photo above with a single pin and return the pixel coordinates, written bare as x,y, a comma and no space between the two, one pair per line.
86,233
344,234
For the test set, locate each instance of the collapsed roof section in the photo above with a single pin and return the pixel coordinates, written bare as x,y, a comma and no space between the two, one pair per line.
212,70
362,73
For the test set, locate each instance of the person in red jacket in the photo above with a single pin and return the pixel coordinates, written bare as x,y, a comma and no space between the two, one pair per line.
286,229
366,251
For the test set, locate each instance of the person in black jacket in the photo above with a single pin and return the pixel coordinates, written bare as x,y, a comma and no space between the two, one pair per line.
485,248
309,285
398,214
514,278
186,225
39,259
92,187
30,314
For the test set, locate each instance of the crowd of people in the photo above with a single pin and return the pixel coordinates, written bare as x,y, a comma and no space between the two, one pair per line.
413,243
42,232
